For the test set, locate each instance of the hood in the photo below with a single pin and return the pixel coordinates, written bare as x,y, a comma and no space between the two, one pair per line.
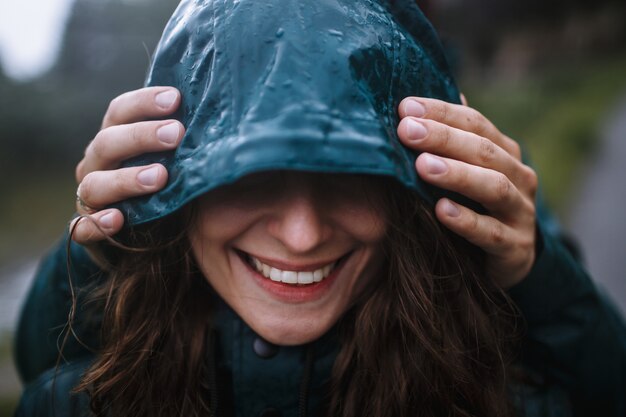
290,84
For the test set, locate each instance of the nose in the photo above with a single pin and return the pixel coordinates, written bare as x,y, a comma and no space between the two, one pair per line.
299,223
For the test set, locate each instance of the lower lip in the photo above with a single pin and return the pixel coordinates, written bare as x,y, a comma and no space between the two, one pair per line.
291,293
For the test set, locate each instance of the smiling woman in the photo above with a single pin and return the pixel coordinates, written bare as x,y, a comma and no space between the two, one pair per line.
380,274
303,239
289,253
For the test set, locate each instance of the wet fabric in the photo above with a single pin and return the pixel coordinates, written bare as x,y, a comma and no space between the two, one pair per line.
290,84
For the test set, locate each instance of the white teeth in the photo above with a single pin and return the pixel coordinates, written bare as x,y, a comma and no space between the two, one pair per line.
275,274
292,277
305,277
318,275
289,277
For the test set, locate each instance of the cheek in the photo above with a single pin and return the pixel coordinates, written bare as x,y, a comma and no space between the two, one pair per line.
220,223
211,232
366,225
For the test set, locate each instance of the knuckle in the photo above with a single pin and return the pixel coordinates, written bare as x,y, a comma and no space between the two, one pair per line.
445,136
468,222
462,178
97,147
514,149
474,116
476,120
136,134
486,151
502,187
473,223
496,234
483,126
443,111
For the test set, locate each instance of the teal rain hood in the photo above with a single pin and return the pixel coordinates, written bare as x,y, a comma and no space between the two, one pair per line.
290,84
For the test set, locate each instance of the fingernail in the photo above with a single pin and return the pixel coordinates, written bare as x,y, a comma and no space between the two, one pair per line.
415,130
451,209
166,99
435,165
148,177
414,108
168,134
106,221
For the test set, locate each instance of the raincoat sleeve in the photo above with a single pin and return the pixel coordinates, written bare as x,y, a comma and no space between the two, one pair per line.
50,394
43,320
574,337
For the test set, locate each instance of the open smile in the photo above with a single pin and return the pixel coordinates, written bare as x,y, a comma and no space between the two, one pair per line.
300,275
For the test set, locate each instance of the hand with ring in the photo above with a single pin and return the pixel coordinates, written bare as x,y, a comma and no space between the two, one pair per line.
462,152
127,131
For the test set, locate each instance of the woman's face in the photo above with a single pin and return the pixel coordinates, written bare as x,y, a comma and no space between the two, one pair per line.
289,251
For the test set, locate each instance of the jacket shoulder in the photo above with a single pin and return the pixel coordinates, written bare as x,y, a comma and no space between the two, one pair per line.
51,393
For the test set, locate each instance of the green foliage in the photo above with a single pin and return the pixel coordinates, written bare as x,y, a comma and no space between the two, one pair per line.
557,115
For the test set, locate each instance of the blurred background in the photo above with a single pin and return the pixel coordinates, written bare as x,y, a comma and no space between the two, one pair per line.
550,74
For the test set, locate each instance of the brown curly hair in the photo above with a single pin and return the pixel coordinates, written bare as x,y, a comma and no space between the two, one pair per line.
431,337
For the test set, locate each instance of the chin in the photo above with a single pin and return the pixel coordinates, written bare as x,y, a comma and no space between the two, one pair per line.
286,332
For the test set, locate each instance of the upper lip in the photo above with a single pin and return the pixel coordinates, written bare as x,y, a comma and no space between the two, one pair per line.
293,266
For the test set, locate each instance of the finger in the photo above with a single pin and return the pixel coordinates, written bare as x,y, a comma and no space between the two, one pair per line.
96,227
102,188
142,104
115,144
463,99
493,236
490,188
458,116
512,251
82,208
434,137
